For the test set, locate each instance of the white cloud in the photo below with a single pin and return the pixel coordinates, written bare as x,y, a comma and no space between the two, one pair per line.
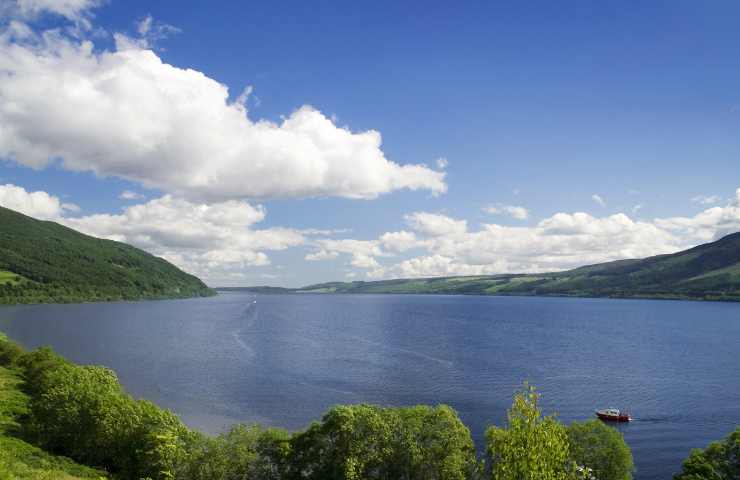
34,204
129,195
558,242
429,266
77,11
519,213
399,241
597,198
637,208
711,224
442,163
210,240
706,199
70,207
324,232
561,241
362,252
435,224
128,114
321,255
150,32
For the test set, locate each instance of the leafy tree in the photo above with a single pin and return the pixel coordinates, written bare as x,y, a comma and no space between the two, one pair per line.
369,442
78,414
600,448
245,452
432,443
530,447
719,461
350,443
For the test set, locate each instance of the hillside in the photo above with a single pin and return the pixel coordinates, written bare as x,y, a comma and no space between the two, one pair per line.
710,271
43,261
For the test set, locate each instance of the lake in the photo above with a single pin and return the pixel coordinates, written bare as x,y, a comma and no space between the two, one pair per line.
282,360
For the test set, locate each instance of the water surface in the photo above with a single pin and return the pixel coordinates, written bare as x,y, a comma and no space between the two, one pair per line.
282,360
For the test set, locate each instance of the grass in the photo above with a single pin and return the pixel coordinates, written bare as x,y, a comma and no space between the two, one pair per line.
10,278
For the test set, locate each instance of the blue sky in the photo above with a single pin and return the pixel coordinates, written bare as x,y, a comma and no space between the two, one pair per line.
605,109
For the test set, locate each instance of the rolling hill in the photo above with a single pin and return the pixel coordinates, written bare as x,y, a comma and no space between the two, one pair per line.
707,272
42,261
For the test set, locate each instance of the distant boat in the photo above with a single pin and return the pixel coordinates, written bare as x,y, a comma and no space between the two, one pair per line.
613,415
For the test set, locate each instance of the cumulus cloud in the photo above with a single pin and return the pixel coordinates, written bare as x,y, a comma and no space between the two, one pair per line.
442,163
561,241
77,11
400,241
130,195
362,252
34,204
597,198
436,224
126,113
711,224
321,255
519,213
706,199
209,240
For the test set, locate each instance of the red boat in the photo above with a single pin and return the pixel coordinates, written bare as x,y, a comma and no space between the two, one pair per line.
613,415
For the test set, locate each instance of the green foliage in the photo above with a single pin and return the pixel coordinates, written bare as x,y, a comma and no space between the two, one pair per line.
13,402
21,461
710,271
369,442
531,446
18,459
244,452
601,448
46,262
719,461
83,413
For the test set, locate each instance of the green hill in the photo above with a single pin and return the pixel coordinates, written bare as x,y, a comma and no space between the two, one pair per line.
710,272
47,262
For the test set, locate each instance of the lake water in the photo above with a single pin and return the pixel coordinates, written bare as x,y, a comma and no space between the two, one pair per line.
282,360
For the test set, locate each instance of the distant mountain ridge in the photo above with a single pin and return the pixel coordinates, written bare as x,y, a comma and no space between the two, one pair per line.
43,261
706,272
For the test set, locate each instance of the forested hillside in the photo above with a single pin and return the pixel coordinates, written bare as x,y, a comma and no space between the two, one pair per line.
707,272
43,261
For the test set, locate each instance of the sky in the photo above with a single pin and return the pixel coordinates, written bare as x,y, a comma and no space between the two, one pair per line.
291,143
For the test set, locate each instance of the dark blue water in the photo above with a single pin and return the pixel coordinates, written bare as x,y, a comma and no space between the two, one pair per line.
282,360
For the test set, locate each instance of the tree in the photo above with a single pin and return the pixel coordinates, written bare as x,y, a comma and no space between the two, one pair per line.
244,452
530,447
366,442
432,443
600,448
719,461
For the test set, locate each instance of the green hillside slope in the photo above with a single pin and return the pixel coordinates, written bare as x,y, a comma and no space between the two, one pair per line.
47,262
710,271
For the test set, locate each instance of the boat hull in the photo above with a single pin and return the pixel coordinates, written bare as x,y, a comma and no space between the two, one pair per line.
622,417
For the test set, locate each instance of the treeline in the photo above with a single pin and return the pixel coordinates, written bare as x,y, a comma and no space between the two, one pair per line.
32,292
83,413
